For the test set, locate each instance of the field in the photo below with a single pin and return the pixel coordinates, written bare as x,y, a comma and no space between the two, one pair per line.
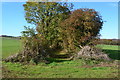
10,46
62,69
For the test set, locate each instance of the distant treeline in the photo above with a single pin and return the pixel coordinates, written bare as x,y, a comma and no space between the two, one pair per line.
99,41
10,36
109,41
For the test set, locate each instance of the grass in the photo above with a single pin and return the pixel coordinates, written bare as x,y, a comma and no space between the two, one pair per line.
112,51
9,46
56,69
109,47
67,69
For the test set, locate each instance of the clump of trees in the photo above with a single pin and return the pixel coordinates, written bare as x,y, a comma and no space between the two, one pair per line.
57,28
81,28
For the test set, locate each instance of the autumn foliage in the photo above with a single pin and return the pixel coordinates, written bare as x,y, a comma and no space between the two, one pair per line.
57,28
81,28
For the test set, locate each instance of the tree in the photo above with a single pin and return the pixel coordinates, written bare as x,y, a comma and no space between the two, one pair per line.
46,16
81,28
56,27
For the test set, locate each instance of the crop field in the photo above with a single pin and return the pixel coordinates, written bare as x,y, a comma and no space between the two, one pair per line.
62,69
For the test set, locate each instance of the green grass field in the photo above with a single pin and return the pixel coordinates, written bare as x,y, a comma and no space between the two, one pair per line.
10,46
63,69
112,51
